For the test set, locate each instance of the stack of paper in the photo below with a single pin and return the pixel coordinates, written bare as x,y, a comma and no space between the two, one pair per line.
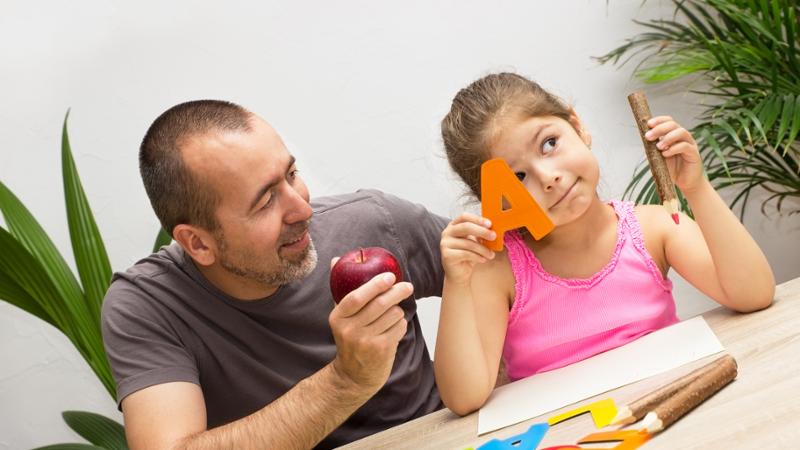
647,356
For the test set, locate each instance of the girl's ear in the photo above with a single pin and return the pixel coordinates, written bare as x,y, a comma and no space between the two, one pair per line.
584,134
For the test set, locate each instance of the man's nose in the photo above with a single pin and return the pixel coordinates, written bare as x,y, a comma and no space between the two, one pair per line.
297,208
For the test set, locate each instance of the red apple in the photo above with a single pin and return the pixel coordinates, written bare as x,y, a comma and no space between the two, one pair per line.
358,266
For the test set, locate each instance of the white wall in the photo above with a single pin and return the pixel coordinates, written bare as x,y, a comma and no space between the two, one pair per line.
356,89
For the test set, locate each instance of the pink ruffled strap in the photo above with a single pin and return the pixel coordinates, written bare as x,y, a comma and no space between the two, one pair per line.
635,230
520,258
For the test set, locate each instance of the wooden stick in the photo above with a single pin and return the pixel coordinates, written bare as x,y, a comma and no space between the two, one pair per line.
634,411
696,392
658,167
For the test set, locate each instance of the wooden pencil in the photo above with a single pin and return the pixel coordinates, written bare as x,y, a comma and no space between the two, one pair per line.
658,166
694,393
635,410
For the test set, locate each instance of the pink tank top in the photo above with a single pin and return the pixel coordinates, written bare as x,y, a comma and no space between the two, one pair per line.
556,321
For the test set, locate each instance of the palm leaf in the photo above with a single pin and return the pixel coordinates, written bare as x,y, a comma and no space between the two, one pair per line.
28,278
69,447
163,238
97,429
15,294
87,244
28,274
25,230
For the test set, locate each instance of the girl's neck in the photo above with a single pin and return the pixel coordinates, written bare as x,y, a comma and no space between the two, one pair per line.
582,232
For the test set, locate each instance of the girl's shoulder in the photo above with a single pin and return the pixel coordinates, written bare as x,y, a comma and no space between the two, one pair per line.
654,217
655,222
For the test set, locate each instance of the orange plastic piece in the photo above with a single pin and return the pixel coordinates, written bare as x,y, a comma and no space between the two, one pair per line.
498,182
631,439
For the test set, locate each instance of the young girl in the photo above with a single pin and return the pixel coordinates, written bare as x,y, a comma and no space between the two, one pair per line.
599,279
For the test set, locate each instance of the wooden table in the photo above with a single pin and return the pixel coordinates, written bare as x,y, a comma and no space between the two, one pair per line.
760,409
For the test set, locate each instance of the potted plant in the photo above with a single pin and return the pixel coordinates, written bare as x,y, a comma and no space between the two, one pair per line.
742,57
35,277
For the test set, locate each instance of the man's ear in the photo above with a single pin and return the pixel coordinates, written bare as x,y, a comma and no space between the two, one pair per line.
576,123
200,244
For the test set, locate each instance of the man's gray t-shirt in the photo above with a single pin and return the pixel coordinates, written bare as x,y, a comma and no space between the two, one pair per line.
164,322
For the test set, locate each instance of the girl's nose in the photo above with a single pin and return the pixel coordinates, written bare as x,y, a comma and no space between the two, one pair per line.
553,181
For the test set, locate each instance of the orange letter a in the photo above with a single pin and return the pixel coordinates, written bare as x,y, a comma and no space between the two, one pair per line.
498,182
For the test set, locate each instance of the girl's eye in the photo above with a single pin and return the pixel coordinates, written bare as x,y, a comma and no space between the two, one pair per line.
520,175
549,145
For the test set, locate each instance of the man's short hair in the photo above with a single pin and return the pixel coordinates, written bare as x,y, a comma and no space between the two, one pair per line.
176,193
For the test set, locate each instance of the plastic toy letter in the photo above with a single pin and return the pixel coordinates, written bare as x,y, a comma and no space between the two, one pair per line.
631,439
498,182
602,411
528,440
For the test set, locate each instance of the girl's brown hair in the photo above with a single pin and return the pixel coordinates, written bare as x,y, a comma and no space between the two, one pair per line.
479,110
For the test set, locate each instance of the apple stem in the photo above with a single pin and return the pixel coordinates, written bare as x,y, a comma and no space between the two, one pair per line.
361,255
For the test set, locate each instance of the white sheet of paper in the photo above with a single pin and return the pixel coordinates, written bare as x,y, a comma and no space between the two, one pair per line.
647,356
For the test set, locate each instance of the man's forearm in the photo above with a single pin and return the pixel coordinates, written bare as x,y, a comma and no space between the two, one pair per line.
299,419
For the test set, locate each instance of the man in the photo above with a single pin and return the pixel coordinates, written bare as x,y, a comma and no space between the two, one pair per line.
229,338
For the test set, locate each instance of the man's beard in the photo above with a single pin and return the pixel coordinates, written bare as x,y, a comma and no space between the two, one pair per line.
248,264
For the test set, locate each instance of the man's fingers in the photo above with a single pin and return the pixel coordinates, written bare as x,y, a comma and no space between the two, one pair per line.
379,287
381,303
386,320
333,261
353,302
397,331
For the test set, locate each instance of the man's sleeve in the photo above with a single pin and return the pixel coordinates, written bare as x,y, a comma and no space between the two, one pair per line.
419,232
142,346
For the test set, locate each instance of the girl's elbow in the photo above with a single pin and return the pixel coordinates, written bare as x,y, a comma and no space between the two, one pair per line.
463,404
462,408
755,301
765,300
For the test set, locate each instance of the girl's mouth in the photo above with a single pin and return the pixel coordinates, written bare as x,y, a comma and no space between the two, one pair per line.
566,193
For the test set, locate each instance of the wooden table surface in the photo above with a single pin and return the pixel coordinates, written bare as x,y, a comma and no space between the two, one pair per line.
760,409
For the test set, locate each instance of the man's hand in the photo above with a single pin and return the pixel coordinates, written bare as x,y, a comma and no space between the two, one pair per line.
367,327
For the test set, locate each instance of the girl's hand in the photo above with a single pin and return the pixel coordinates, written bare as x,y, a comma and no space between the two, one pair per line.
461,248
680,152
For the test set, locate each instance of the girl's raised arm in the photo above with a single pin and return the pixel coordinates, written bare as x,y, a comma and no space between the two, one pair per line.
473,316
716,253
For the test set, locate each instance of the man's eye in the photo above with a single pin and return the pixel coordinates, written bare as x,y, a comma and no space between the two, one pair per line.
269,202
520,175
549,145
293,174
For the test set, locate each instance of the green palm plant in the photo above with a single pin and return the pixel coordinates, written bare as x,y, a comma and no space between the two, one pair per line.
36,278
743,58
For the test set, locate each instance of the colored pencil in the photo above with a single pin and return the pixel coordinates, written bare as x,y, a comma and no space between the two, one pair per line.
658,166
635,410
694,393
